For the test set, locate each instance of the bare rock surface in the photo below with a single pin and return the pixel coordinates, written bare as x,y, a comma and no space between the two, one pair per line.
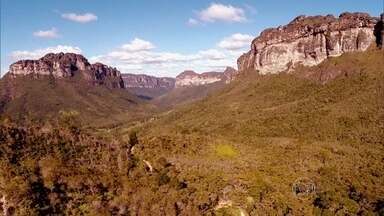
308,40
191,78
67,65
146,81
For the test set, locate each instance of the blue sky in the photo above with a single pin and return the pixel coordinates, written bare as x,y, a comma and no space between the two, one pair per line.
158,37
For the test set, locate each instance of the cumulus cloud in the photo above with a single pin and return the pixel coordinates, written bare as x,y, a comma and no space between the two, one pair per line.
80,18
212,54
38,53
51,33
137,45
236,41
219,12
145,59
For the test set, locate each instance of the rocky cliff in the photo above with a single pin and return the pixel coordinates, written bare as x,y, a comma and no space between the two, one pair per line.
308,41
145,81
148,87
66,65
105,75
191,78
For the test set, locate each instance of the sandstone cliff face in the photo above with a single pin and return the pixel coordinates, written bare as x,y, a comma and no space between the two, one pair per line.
66,65
191,78
105,75
145,81
59,65
308,41
229,74
148,87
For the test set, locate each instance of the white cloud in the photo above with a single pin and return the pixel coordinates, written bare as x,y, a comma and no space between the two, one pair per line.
80,18
212,54
38,53
149,61
236,41
137,45
219,12
52,33
192,22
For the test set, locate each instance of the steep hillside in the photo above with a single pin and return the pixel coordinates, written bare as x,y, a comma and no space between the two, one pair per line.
279,144
184,95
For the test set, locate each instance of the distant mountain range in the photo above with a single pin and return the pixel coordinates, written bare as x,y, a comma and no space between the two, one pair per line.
151,87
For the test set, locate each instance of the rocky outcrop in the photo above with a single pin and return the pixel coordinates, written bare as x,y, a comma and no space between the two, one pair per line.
308,41
229,74
66,65
148,87
191,78
145,81
108,76
59,65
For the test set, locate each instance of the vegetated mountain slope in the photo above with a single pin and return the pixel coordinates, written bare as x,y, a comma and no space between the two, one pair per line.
264,145
183,95
357,89
148,93
67,82
44,98
279,144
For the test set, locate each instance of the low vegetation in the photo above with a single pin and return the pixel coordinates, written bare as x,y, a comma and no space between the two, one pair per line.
225,151
254,147
40,99
272,131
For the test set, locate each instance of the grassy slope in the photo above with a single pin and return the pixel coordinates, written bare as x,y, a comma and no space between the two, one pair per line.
258,136
148,93
42,98
185,95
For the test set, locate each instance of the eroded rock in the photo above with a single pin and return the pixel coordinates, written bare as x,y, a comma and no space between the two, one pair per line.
66,65
191,78
308,41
